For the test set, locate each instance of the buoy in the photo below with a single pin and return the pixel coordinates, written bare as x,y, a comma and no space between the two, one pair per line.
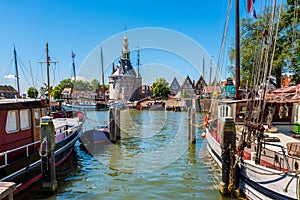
203,135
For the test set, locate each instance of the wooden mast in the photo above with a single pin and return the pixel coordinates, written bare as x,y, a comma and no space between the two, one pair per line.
237,48
73,64
17,73
102,66
48,70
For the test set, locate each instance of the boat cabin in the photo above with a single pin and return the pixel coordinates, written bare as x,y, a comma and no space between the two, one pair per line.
19,126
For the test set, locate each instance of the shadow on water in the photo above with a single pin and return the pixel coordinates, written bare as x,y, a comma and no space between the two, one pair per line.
116,171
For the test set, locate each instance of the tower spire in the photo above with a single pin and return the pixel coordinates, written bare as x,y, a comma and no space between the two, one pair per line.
125,51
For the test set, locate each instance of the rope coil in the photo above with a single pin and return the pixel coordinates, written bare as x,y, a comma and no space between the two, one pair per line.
44,147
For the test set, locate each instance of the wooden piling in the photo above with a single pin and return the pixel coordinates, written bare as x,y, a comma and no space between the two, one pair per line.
117,123
7,190
112,126
47,155
191,125
228,144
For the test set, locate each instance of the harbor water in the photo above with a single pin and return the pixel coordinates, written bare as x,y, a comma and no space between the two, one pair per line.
153,160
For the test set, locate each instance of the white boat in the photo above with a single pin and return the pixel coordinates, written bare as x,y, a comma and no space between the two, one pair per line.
256,140
276,174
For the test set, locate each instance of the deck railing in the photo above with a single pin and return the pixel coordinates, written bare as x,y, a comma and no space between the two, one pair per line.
27,146
5,154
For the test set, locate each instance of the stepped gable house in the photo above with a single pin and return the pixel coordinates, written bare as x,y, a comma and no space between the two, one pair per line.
187,88
174,87
124,83
199,86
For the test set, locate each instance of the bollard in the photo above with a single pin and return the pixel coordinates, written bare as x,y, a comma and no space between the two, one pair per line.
117,123
47,155
112,125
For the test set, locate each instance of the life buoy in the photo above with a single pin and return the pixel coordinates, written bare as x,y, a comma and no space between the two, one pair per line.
206,118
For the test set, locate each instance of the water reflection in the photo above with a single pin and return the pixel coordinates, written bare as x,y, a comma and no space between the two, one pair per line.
152,161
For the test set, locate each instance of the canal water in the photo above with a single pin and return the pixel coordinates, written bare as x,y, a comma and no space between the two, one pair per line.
152,161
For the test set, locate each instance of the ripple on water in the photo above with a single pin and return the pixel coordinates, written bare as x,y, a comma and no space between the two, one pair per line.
146,136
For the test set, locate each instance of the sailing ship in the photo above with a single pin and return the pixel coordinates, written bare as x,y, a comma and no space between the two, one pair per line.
252,140
21,140
93,102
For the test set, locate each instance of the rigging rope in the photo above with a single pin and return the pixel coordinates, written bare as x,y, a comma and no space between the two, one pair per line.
294,27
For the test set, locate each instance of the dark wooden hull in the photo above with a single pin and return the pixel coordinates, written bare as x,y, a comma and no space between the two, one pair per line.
26,171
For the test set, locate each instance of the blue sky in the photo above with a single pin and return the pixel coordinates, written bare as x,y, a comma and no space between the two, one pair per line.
85,25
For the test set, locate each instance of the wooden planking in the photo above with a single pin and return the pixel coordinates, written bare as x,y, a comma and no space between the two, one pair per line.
7,190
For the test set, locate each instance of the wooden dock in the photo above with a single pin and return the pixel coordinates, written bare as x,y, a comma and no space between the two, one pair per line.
7,190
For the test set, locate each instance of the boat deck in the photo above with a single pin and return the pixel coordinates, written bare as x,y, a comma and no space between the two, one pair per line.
59,122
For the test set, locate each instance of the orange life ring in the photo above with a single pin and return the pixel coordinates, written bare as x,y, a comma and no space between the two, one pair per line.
206,118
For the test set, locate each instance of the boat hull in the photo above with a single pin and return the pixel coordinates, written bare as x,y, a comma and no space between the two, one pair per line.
259,182
28,171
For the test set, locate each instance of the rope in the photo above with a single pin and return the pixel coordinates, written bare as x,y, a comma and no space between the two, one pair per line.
288,184
44,142
199,126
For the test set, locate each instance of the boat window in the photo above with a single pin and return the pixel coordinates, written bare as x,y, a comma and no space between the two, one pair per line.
225,111
25,119
37,117
12,121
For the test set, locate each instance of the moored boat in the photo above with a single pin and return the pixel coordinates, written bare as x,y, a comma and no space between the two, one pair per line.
255,140
20,143
267,166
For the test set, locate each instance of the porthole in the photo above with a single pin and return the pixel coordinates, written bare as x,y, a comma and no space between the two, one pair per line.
296,165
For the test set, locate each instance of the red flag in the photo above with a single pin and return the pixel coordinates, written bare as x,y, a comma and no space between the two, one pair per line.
250,8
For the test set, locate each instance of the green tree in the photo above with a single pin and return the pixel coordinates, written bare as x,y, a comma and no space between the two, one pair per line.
161,88
256,45
95,84
83,85
56,92
66,83
32,92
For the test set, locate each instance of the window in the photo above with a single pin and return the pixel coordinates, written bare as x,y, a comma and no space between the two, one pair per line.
37,116
12,121
25,119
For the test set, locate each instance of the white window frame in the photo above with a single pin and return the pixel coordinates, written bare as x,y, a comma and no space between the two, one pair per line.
39,117
23,118
16,119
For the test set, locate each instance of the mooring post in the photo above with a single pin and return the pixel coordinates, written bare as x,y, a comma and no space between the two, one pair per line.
228,145
47,155
193,127
189,123
117,123
112,125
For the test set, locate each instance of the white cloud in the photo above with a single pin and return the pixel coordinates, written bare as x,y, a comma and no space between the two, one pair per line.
10,76
79,78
